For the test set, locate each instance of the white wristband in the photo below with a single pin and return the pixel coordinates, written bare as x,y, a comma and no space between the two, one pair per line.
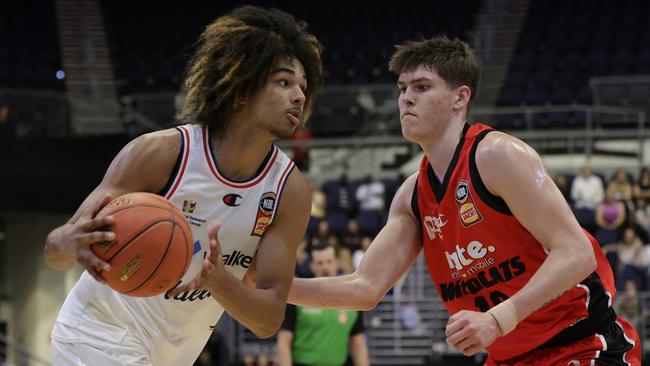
506,316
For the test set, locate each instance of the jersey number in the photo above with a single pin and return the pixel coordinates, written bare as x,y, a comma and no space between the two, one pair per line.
496,297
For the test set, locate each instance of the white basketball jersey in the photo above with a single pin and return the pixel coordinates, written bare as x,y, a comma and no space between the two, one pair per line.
175,330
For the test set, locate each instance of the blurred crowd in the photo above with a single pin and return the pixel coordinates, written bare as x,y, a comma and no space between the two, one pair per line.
615,210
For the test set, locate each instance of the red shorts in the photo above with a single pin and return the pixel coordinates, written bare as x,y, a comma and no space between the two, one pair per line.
618,345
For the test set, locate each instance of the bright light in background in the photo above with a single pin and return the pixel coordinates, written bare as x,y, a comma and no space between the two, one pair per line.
60,74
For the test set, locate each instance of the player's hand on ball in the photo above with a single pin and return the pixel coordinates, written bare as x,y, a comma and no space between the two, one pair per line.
78,237
212,267
471,331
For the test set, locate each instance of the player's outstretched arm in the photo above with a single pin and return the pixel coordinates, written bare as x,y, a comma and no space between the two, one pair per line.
144,164
388,258
513,171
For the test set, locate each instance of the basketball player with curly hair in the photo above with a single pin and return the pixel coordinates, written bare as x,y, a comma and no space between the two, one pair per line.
252,80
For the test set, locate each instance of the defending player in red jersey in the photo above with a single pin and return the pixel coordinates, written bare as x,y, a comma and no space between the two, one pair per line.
517,273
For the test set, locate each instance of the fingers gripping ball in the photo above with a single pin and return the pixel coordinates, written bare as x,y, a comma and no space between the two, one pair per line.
152,248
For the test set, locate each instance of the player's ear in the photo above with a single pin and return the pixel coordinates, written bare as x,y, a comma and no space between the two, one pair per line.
463,95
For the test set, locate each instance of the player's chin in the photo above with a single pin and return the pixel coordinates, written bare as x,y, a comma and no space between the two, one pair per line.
283,133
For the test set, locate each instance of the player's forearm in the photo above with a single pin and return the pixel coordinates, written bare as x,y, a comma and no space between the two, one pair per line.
359,354
349,292
284,354
259,309
55,253
563,269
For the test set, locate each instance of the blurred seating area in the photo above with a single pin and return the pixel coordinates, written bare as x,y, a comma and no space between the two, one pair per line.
565,43
152,40
29,45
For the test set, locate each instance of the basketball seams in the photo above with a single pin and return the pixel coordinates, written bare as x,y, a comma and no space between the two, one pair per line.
162,259
144,230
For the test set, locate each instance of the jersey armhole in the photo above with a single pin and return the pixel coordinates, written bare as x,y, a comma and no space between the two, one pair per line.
176,171
495,202
281,184
415,206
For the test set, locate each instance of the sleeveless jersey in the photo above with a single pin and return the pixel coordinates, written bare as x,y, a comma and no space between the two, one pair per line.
176,329
478,254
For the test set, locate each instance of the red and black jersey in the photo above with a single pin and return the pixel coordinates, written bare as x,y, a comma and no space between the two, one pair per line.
479,254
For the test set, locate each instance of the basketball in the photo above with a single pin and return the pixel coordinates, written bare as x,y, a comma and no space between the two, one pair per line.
152,247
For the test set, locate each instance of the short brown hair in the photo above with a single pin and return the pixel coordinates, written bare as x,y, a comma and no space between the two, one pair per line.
452,59
234,58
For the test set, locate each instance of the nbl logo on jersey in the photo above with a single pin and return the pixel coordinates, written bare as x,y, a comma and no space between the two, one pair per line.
264,213
467,210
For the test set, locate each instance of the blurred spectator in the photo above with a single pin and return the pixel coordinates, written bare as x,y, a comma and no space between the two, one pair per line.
372,202
620,186
629,262
302,261
642,186
321,236
318,209
358,255
344,202
350,243
352,236
260,360
587,189
301,153
562,183
628,308
367,103
318,203
587,192
642,216
610,217
390,191
311,336
366,100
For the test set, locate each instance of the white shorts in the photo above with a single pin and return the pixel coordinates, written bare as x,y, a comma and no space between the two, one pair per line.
68,349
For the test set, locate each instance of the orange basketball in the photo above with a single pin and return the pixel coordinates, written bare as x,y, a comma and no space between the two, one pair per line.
152,247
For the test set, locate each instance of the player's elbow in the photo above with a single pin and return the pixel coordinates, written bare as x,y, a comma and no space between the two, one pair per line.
266,332
269,328
586,258
370,296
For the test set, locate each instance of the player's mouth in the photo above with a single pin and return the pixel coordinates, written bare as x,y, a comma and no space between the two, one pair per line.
408,114
294,116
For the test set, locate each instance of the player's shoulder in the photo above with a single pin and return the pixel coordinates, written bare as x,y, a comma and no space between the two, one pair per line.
166,137
404,195
298,185
157,145
498,147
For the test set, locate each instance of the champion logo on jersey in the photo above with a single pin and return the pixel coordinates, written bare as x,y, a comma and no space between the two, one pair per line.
264,213
189,206
467,210
232,199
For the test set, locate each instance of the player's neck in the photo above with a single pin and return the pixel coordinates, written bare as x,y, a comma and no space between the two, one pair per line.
440,150
240,151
